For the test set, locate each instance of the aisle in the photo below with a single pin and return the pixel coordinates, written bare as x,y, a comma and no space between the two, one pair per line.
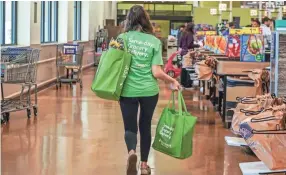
78,133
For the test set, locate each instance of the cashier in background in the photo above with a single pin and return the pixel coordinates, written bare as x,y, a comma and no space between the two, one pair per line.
255,23
186,44
266,31
229,26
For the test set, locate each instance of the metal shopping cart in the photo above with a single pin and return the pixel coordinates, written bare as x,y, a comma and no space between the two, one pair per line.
69,56
19,66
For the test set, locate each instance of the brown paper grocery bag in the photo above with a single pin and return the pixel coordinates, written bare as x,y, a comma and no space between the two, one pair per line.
203,71
269,147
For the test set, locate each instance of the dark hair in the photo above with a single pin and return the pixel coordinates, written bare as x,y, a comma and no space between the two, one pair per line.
257,21
231,24
138,19
265,19
190,28
182,26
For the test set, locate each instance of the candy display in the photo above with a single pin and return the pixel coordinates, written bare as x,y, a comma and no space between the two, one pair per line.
209,43
220,44
201,37
252,48
233,46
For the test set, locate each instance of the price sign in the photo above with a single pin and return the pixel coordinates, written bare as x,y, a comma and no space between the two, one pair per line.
201,33
70,49
213,11
235,32
279,3
210,32
253,12
251,30
246,31
269,5
222,7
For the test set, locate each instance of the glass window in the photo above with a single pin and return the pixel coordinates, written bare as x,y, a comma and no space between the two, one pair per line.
77,20
8,22
49,21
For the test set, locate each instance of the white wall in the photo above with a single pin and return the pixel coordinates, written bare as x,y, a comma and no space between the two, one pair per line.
29,33
63,22
23,23
35,27
98,12
94,14
85,20
92,22
70,20
114,11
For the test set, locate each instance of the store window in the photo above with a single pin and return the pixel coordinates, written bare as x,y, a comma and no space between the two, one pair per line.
49,21
77,20
8,21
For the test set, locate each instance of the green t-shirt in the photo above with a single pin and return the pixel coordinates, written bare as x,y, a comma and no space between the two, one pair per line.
146,51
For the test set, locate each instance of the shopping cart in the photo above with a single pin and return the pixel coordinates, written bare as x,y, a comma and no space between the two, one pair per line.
69,56
19,66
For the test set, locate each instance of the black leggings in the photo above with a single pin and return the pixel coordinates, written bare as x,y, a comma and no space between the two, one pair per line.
129,108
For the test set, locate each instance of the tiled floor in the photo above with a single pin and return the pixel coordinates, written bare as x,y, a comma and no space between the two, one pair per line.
78,133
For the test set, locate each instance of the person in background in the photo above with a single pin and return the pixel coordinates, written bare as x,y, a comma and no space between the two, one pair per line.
187,43
229,26
180,33
141,90
266,32
255,23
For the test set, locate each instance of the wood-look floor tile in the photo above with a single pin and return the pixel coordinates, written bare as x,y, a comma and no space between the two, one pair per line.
78,133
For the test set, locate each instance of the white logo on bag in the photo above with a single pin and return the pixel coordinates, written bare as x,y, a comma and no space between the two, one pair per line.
165,144
166,132
125,73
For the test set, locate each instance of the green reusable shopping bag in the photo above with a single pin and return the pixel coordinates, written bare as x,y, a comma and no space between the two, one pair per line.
111,73
175,130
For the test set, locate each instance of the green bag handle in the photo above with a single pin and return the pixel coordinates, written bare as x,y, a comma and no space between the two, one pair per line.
181,102
173,100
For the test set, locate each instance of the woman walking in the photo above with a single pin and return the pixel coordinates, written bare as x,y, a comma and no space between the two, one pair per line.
141,88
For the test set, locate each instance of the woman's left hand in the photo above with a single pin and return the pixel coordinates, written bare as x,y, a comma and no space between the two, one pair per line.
176,85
